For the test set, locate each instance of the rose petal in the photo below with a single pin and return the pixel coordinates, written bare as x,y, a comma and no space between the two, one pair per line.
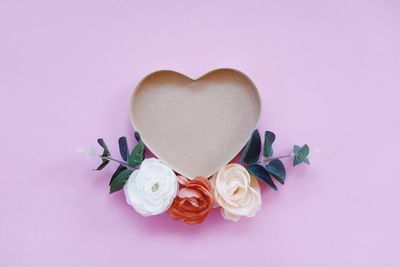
188,193
182,179
229,216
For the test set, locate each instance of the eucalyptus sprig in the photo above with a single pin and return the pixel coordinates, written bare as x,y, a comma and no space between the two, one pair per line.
129,163
270,166
266,169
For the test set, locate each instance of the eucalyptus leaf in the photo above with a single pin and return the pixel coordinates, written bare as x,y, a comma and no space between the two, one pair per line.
300,155
137,154
120,180
296,148
102,165
261,173
137,136
106,152
117,171
269,138
123,147
251,152
276,168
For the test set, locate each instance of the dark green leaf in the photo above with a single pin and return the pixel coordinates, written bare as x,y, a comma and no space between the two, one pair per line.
117,171
277,170
300,155
123,147
261,173
137,136
102,165
120,180
269,138
136,156
106,152
251,152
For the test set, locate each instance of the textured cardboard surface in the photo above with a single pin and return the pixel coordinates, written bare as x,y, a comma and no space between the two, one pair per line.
195,126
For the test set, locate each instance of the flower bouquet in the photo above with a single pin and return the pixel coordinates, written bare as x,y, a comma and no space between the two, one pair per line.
196,128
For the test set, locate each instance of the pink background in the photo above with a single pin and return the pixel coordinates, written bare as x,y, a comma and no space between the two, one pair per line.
328,73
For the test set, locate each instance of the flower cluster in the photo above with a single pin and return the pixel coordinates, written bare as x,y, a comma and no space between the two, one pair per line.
151,187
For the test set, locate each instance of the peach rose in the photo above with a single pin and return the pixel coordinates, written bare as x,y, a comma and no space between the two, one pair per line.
193,202
236,191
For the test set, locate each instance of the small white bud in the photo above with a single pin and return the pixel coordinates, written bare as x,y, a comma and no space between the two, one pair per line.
88,154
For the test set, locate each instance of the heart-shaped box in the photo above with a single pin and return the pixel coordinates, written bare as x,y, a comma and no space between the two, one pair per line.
195,126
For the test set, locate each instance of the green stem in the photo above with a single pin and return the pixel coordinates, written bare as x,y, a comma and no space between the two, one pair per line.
120,162
267,160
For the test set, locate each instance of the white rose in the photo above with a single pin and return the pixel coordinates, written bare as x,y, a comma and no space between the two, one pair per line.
151,189
236,191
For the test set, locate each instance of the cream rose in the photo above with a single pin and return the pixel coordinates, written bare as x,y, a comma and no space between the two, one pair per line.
236,191
151,189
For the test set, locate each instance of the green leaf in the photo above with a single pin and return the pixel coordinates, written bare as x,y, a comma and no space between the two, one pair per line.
261,173
123,147
300,155
102,165
296,148
277,170
269,138
117,171
137,136
137,154
120,180
251,152
106,152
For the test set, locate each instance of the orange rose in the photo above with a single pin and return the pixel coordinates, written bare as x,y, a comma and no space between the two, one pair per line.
193,202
